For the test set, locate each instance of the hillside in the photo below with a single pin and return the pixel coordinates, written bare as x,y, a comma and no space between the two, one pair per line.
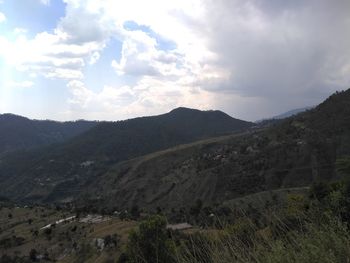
293,153
20,133
61,171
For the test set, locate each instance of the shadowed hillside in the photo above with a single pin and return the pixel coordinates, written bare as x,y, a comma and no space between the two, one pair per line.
293,153
19,133
63,170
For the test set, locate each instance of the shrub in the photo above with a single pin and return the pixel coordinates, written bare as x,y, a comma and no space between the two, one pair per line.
150,242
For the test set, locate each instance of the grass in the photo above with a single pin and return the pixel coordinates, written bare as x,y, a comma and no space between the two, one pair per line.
328,242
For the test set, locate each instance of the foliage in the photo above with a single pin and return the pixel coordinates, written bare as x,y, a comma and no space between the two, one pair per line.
151,242
19,133
301,230
343,165
33,254
317,235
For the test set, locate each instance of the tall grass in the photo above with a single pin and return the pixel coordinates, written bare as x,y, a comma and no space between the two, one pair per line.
300,230
311,241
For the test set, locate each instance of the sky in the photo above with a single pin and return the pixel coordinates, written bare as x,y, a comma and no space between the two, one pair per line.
114,59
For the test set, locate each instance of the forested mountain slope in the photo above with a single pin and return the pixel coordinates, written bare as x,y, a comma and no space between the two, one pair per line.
294,153
63,170
20,133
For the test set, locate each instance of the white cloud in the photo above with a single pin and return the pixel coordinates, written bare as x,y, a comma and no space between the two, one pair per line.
87,104
45,2
21,84
224,54
244,51
94,57
148,97
81,95
2,17
87,26
47,54
77,41
20,31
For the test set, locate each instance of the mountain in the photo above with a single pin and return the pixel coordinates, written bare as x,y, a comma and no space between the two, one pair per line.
117,166
61,171
20,133
277,118
291,154
291,113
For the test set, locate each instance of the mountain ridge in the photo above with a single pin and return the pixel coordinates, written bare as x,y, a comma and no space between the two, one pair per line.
74,163
293,153
21,133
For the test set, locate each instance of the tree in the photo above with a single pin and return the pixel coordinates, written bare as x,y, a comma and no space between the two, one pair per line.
135,212
48,232
35,232
319,190
196,209
33,254
150,243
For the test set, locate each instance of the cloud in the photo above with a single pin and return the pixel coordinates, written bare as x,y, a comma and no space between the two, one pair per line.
62,54
149,96
45,2
273,53
20,31
80,95
2,17
94,57
48,54
230,55
17,84
274,50
88,104
140,56
84,26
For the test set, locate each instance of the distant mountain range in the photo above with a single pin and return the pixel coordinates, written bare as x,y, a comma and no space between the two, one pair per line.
44,173
20,133
292,112
286,114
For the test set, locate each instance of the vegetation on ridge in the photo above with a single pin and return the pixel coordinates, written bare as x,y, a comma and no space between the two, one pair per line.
61,171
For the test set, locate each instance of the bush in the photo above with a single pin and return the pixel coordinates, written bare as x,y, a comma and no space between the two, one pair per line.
33,254
150,243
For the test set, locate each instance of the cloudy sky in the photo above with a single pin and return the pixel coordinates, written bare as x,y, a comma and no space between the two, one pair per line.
114,59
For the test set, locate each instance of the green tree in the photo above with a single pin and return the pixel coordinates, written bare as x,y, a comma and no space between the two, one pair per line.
151,242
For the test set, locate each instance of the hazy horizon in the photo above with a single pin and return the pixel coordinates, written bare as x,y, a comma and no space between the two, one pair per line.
116,120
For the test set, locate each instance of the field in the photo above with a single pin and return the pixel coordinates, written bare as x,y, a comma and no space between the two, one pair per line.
23,231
